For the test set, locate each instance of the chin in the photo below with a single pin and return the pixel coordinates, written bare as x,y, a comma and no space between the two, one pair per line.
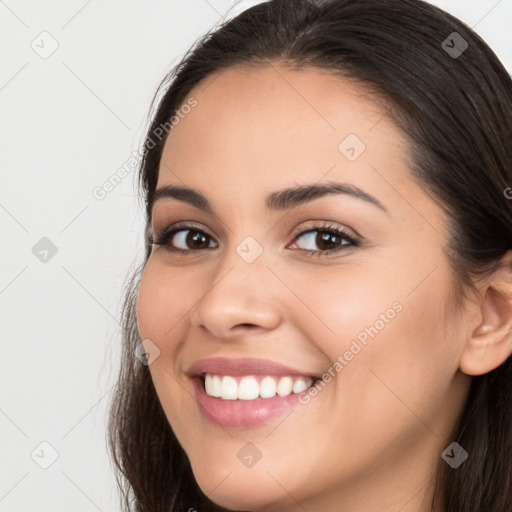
240,490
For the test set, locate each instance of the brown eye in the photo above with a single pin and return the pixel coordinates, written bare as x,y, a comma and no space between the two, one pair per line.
194,239
324,240
184,240
190,239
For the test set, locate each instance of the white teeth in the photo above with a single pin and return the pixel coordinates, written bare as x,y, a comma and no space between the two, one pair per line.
249,388
228,388
285,386
268,387
214,384
300,385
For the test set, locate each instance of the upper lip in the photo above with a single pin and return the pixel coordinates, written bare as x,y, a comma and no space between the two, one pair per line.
239,367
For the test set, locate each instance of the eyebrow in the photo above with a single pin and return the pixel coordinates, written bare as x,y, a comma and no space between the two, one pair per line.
276,201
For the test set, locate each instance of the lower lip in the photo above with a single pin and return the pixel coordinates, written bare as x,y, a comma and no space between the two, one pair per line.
242,413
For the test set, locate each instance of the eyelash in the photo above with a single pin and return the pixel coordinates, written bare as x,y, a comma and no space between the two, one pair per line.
168,234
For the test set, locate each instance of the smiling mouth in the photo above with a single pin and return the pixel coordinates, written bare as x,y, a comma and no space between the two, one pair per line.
253,387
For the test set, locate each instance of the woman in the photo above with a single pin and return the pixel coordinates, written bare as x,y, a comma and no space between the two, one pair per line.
323,318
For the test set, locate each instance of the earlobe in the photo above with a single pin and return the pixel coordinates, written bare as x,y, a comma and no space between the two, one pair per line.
490,343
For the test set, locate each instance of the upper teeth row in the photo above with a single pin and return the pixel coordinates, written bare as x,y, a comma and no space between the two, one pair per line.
227,387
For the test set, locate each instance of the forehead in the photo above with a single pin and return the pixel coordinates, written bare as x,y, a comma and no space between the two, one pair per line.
275,105
272,126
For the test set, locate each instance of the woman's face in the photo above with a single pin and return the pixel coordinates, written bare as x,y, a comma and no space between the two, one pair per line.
255,282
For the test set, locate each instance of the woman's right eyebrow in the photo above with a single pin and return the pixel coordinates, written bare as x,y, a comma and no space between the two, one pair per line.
276,201
184,194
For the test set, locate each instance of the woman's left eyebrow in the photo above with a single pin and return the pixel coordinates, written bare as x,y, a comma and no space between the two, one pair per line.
292,197
276,201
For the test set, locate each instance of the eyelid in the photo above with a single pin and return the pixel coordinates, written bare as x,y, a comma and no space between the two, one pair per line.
182,225
322,224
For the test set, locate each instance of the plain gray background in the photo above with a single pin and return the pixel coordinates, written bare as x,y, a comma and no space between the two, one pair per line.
69,120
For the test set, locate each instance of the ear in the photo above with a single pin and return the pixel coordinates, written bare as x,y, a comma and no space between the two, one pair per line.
491,341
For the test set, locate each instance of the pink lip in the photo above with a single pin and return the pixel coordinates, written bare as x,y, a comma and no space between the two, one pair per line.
242,413
237,367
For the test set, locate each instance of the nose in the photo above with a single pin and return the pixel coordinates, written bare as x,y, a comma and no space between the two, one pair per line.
241,297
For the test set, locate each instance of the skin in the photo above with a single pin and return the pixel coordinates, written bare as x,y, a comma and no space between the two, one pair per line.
371,438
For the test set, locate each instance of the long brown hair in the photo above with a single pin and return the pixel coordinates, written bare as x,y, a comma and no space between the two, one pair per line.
452,98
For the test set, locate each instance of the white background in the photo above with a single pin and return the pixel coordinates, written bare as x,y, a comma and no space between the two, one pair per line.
68,122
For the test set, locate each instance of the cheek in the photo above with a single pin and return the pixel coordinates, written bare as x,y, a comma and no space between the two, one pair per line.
158,304
343,307
395,322
145,302
160,307
389,348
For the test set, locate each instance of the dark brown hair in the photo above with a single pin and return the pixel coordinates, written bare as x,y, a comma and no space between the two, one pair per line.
456,114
